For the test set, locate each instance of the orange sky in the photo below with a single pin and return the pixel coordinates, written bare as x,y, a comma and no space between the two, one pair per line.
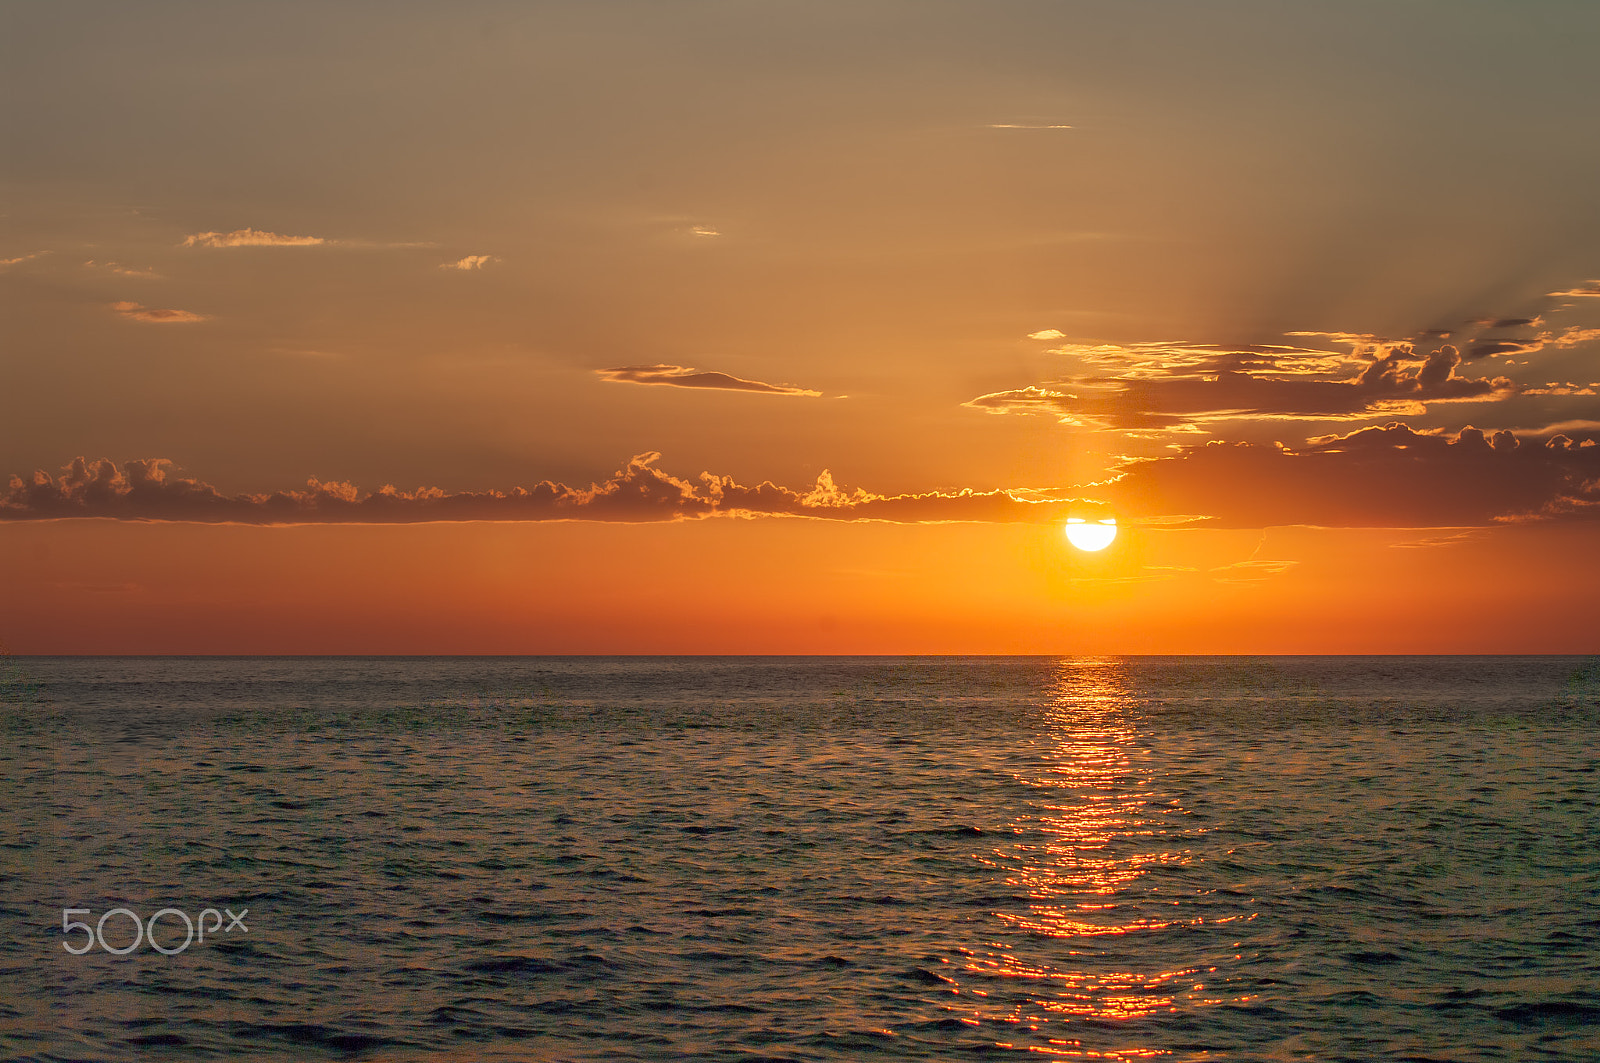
792,586
731,328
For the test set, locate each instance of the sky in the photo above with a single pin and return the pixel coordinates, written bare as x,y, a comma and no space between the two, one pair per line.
750,326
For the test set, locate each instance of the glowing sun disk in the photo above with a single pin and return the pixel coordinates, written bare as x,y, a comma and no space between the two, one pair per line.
1091,537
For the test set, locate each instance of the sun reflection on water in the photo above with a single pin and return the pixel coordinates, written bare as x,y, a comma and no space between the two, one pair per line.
1093,928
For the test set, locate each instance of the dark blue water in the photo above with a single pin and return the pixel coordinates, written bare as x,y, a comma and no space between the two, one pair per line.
807,859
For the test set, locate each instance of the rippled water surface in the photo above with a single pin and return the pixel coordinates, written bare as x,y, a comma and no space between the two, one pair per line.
808,859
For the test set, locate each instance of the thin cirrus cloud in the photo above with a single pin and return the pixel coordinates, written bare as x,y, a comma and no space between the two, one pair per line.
153,316
1388,477
682,376
146,490
250,238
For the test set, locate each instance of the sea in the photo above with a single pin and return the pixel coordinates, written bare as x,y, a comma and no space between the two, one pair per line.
780,858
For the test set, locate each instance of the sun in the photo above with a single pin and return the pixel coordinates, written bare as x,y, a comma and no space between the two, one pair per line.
1091,536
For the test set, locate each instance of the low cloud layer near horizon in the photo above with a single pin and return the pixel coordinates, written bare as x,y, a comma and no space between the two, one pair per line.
640,492
1393,476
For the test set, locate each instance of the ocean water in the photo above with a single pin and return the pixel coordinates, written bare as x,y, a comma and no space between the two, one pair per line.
801,858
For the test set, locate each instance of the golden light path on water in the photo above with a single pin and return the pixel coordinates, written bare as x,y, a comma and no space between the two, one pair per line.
1105,824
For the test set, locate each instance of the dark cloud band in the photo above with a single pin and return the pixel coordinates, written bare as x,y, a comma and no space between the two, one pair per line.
1394,477
147,490
1389,477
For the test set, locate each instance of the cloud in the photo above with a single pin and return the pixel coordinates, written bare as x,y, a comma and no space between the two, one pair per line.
123,271
1578,428
1167,358
1573,336
4,262
1433,542
250,238
470,262
147,490
1507,346
1027,125
1189,385
1035,399
1586,290
1389,477
683,376
704,230
1567,388
1047,334
1357,340
1250,571
1474,343
150,315
1504,348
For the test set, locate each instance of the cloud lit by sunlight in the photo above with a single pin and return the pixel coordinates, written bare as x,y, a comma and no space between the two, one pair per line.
249,238
150,315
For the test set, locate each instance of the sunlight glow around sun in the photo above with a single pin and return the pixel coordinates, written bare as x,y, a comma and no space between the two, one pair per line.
1091,536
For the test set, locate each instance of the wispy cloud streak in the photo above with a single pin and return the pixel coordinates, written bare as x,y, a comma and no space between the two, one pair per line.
682,376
